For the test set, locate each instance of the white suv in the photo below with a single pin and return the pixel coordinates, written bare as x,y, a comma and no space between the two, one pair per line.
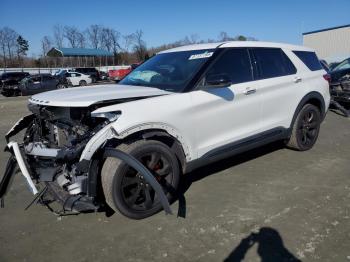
181,109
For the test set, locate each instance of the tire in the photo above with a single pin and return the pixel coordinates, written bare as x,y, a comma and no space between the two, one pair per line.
82,83
305,128
126,192
93,79
61,86
8,93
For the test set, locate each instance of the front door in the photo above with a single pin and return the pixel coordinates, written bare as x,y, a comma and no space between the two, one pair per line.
225,115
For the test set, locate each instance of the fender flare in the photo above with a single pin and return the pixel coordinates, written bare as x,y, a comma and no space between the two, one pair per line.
304,100
109,132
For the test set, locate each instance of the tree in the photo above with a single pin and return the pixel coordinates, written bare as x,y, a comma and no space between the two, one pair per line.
94,35
58,35
10,39
140,45
241,38
3,46
22,46
46,44
127,41
72,34
110,41
81,40
223,37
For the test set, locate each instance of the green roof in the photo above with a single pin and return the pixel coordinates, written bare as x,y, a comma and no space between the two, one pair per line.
78,52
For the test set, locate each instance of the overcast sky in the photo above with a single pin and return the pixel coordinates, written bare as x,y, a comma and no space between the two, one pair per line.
167,21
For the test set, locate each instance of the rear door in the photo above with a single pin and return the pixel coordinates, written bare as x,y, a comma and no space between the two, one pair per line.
33,85
48,83
225,115
278,82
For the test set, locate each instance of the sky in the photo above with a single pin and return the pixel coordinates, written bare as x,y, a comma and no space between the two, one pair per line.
167,21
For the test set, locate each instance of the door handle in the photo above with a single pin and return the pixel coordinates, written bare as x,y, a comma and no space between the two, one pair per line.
297,79
249,91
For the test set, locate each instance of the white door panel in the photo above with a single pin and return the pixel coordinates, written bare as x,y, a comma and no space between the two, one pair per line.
225,115
280,97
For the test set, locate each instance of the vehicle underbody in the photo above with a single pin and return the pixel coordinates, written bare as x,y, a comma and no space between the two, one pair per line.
49,158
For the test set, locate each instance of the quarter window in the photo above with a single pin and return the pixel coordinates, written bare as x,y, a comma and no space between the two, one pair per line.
272,62
234,63
309,59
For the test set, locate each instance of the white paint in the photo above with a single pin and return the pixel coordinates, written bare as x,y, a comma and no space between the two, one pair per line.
22,166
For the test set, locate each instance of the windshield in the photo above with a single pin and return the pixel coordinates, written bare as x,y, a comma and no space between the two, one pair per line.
343,65
169,71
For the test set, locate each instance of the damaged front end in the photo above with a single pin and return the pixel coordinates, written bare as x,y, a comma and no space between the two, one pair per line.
49,157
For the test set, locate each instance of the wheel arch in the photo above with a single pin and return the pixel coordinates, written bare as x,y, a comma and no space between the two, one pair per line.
314,98
163,136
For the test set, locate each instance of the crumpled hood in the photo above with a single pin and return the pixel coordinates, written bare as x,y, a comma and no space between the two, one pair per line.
86,96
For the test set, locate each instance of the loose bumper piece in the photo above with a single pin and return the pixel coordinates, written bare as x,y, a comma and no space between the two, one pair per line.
22,166
138,166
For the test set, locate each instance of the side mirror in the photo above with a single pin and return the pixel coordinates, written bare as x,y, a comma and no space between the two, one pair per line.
218,80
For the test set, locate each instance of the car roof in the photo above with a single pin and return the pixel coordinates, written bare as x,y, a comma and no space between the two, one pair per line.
236,44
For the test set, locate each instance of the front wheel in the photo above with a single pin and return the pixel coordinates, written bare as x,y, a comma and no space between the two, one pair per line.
305,129
125,189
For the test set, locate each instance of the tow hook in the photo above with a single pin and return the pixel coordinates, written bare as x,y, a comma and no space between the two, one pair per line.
147,175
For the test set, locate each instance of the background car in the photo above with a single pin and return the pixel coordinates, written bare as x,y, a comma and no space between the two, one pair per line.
91,71
9,82
340,70
78,79
325,65
40,83
118,74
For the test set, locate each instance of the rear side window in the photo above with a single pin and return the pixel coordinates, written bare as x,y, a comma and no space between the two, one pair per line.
271,62
309,59
235,63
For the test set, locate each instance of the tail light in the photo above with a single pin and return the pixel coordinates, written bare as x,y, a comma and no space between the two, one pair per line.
327,77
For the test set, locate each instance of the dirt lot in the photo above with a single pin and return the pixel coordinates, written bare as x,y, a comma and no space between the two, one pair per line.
270,204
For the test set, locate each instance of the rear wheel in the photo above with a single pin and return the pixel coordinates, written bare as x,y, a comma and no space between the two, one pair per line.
127,191
82,83
305,128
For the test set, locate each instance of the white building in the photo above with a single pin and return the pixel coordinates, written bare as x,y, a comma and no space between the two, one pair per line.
331,44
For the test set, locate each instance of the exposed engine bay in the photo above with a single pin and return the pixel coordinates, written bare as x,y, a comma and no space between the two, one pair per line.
54,139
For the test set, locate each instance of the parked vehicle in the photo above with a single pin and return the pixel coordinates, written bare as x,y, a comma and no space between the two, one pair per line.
9,82
325,65
104,75
39,83
126,145
341,70
78,79
340,82
119,74
91,71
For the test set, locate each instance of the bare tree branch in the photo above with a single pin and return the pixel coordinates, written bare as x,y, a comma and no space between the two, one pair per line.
94,35
58,34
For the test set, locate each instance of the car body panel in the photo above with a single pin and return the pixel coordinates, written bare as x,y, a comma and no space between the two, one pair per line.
86,96
75,78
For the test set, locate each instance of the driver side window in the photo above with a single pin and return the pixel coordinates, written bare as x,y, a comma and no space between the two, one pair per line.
233,63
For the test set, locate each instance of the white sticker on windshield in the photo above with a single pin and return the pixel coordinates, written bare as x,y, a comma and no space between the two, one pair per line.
202,55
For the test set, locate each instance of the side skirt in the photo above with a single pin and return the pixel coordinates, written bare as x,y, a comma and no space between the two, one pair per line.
239,146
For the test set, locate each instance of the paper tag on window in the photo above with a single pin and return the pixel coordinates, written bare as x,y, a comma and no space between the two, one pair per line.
202,55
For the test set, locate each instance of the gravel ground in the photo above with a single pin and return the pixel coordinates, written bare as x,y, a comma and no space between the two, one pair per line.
270,204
